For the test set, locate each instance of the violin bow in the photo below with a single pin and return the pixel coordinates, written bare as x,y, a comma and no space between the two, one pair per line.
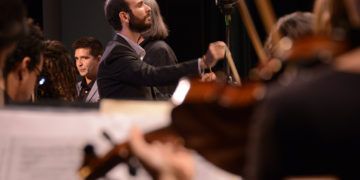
232,66
268,17
252,32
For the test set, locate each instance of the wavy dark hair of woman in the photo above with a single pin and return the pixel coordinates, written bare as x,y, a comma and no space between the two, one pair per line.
58,78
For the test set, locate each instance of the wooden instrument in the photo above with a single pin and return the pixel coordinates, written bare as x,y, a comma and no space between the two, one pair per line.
201,114
94,167
197,123
254,37
214,118
232,66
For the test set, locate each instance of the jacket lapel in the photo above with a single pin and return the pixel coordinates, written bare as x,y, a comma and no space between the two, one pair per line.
93,93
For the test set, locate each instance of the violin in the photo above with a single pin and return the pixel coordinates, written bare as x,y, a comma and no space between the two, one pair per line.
94,167
213,118
304,53
210,128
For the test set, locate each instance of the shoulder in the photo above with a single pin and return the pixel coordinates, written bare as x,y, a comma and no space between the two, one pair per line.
157,44
121,46
160,48
118,49
118,44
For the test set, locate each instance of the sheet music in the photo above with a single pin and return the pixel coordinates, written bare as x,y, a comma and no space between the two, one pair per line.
37,144
43,158
4,142
147,115
47,143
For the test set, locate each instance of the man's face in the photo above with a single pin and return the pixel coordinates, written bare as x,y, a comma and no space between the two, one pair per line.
86,64
26,86
140,17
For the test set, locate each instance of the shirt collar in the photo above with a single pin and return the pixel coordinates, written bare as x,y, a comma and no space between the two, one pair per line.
86,86
138,49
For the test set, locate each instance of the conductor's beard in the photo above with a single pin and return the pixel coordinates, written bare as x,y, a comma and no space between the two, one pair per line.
139,25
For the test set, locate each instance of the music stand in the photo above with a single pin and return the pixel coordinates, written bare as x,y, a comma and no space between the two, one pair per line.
226,7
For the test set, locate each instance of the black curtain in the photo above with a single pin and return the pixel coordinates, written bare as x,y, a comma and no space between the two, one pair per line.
35,11
193,25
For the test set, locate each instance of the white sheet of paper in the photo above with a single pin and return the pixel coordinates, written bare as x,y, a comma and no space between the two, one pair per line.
43,144
47,143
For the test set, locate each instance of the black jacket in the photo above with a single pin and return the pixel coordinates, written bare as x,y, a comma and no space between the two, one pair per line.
123,75
159,53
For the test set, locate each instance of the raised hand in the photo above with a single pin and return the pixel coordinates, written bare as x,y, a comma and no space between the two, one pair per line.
215,52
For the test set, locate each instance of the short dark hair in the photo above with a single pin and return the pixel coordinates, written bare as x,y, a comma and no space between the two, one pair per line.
30,46
12,21
95,46
112,9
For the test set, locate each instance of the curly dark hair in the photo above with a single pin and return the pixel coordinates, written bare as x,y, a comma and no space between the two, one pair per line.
58,78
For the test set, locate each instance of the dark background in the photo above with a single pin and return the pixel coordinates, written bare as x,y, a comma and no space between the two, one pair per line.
193,24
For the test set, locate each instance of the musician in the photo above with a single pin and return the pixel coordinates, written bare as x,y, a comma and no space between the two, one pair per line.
310,128
293,26
158,52
88,52
289,26
122,72
58,78
12,26
24,66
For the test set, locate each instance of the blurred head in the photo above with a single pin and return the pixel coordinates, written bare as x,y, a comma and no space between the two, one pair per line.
12,26
132,13
293,26
88,52
58,78
158,29
24,66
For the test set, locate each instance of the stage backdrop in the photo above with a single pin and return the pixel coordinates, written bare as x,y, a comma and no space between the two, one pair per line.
193,24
